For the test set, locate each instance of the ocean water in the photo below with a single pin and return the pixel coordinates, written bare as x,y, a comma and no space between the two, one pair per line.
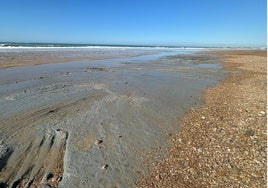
76,45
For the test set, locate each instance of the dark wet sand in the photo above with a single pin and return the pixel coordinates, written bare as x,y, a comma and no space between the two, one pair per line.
223,143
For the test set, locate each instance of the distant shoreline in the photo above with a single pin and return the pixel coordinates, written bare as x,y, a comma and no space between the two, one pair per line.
78,45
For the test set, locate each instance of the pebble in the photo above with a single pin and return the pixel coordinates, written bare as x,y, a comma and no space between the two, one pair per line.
261,113
98,142
256,161
158,177
200,150
59,178
54,179
52,110
104,167
192,170
203,117
264,154
249,133
85,181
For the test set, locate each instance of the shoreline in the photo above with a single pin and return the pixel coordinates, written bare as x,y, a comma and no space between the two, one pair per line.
222,143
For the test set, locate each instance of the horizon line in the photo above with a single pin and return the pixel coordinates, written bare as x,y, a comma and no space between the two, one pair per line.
132,45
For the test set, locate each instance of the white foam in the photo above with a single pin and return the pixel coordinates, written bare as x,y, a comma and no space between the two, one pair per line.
2,46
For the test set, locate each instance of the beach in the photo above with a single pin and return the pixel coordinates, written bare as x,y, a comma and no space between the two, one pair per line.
91,117
88,123
224,142
128,94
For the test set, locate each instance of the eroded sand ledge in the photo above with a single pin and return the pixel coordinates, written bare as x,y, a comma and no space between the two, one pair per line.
223,143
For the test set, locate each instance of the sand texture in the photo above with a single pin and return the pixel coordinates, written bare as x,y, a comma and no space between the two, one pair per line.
87,123
223,143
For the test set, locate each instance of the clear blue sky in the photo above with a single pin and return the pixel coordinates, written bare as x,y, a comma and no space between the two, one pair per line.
156,22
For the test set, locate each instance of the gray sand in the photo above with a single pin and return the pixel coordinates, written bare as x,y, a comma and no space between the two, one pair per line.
96,118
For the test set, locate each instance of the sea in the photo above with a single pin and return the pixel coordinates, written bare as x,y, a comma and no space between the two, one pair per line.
79,45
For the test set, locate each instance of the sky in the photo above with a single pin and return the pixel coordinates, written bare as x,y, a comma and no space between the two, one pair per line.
137,22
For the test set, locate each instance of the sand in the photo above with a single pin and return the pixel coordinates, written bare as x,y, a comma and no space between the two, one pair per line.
224,142
29,57
87,123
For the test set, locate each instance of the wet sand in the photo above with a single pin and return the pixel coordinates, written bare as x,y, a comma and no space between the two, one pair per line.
224,142
28,57
87,123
